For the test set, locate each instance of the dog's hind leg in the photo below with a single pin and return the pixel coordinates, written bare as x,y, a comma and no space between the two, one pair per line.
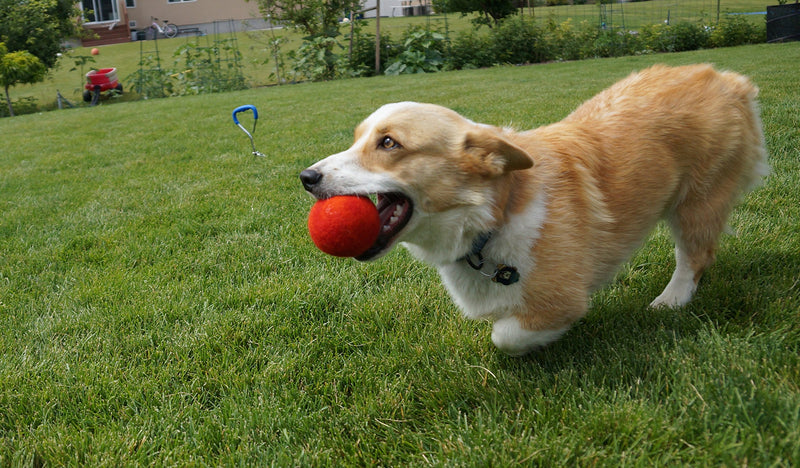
696,226
682,285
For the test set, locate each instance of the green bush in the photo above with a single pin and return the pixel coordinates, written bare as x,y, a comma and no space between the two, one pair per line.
208,69
316,60
196,70
735,30
598,43
151,80
565,41
422,52
471,50
517,40
23,105
675,38
690,36
361,61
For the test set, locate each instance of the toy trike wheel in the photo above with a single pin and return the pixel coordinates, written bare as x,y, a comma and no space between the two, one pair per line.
87,96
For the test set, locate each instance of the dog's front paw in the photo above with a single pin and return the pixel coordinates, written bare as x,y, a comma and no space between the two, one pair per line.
510,338
665,302
676,294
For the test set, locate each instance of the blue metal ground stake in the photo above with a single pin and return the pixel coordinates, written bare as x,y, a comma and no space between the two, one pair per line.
246,108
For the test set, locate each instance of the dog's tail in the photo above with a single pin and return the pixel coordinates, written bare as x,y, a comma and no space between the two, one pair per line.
747,92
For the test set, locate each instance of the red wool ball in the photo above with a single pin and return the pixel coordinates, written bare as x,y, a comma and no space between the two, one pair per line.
344,226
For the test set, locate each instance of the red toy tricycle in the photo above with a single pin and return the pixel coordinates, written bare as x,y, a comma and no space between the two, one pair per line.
98,81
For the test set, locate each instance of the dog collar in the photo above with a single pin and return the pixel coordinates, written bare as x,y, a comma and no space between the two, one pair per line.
502,274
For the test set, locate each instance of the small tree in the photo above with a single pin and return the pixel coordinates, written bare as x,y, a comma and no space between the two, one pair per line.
318,20
492,11
19,67
38,26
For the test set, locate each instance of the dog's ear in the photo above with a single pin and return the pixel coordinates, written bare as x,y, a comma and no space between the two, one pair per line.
494,152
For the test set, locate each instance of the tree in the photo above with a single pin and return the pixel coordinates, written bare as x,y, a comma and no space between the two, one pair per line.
492,10
317,19
38,26
20,67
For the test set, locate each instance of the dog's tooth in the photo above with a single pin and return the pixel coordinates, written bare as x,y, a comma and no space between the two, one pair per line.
393,219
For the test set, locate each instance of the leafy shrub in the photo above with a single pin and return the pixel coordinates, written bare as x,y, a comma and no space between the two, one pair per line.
471,50
315,60
690,36
565,41
204,71
23,105
518,40
675,38
422,52
150,80
735,30
656,37
198,70
362,58
597,43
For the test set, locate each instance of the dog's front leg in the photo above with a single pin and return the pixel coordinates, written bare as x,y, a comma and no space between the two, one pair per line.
510,337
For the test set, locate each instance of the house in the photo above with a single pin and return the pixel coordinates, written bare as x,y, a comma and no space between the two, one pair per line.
397,8
115,21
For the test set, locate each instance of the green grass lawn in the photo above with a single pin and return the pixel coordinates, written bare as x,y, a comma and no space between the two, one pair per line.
633,15
161,302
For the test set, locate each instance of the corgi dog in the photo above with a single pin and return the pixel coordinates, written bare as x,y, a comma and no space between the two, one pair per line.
524,226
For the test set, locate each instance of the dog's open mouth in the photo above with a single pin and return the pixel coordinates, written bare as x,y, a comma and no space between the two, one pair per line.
395,210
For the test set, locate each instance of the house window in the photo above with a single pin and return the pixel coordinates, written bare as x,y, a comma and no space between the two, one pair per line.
130,3
99,10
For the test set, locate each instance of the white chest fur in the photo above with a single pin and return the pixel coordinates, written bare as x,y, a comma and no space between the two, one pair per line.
473,291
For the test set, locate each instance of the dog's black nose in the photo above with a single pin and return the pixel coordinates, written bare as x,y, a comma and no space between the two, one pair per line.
310,178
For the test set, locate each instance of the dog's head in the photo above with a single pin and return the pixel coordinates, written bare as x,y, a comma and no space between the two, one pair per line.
427,165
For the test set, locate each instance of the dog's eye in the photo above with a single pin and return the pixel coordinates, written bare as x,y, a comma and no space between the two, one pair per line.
388,143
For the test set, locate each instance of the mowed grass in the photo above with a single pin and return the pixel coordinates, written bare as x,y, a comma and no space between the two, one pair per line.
161,302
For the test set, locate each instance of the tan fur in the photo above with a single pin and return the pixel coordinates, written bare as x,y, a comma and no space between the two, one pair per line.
680,144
